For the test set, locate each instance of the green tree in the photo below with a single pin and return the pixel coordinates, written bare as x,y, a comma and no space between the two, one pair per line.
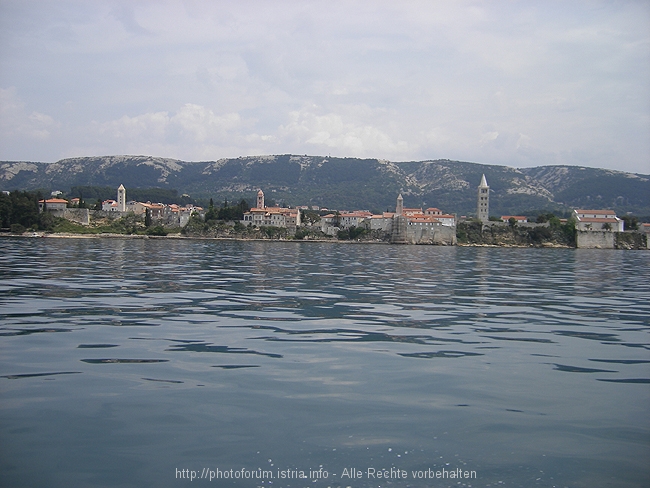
5,210
157,230
212,214
309,217
301,233
357,232
554,221
147,218
24,208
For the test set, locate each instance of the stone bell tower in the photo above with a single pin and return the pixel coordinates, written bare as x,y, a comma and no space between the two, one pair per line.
483,202
260,200
399,224
399,209
121,199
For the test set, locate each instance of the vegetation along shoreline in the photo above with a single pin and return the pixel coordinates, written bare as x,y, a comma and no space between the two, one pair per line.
31,214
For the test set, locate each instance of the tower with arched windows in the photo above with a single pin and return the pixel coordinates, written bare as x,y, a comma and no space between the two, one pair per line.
121,199
483,203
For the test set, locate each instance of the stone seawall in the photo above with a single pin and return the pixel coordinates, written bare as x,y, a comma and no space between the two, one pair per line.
591,239
440,235
611,240
78,215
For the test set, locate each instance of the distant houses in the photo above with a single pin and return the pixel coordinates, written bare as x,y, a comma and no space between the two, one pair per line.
263,216
431,217
408,225
405,225
172,214
59,207
518,219
168,214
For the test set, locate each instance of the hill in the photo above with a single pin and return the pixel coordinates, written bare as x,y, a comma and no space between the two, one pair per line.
348,183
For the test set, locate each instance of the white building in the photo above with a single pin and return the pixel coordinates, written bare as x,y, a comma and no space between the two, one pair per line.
109,206
445,219
598,220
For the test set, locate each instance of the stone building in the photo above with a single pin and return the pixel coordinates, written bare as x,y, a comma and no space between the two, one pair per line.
121,199
483,201
263,216
52,204
413,226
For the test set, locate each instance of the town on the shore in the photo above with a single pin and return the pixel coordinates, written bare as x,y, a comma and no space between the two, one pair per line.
593,228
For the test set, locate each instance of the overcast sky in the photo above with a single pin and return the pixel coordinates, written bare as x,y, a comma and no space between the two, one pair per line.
516,83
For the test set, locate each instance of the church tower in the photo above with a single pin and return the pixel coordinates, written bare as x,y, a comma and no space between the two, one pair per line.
260,200
399,225
121,199
483,203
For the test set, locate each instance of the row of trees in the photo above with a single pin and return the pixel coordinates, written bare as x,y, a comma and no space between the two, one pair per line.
226,212
19,211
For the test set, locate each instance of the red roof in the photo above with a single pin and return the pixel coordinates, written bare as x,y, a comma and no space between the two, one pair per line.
596,220
54,200
596,212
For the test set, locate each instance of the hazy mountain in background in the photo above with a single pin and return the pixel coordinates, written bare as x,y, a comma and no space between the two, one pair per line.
348,183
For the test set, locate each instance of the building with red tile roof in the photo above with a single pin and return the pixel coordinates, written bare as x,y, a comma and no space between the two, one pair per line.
598,220
52,204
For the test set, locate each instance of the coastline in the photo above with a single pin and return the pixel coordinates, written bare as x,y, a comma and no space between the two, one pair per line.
68,235
177,236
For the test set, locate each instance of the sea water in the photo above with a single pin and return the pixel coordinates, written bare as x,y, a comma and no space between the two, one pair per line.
161,362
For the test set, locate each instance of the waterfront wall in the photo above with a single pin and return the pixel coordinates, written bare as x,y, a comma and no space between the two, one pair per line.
611,240
78,215
591,239
441,235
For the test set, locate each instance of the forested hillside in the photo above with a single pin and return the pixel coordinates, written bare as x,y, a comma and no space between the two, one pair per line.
345,183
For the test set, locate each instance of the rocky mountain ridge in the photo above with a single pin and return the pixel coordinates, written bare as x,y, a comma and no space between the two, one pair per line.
347,183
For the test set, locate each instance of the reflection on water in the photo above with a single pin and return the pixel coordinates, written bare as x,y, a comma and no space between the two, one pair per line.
321,355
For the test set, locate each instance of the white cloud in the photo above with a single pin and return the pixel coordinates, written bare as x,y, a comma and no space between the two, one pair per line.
150,126
201,124
191,123
18,123
331,131
489,137
396,80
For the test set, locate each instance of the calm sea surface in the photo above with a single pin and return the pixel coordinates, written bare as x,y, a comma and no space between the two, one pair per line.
132,363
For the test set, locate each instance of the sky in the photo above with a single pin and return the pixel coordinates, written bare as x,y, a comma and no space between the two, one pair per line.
507,82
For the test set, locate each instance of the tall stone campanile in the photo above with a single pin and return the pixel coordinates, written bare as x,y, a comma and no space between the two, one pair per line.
399,224
483,203
121,199
260,199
